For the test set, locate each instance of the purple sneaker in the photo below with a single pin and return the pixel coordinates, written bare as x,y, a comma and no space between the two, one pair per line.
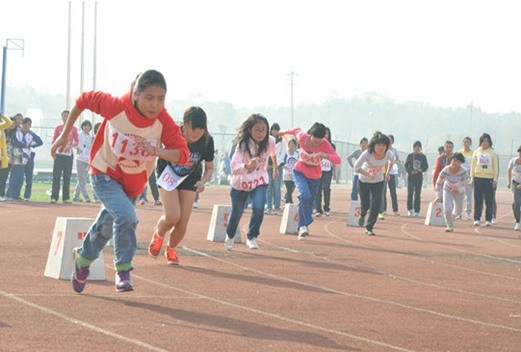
80,274
123,281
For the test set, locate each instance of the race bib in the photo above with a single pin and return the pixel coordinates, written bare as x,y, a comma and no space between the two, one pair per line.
122,146
169,180
485,160
248,185
326,165
309,159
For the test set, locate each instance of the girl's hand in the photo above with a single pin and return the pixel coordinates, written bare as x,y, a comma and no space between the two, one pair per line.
59,144
144,145
276,173
199,185
518,187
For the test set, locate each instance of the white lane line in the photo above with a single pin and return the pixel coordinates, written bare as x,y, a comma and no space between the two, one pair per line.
268,314
352,295
403,278
81,323
454,266
461,250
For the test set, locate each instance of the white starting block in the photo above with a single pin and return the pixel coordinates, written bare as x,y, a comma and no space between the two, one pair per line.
218,223
354,213
68,234
435,215
289,222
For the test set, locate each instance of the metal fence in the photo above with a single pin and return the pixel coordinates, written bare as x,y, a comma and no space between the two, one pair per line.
223,143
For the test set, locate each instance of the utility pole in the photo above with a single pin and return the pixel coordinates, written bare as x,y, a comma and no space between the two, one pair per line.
291,75
13,44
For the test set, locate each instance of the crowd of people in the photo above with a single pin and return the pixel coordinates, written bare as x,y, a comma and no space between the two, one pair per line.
139,144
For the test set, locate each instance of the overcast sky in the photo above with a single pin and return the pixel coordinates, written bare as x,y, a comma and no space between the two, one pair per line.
446,53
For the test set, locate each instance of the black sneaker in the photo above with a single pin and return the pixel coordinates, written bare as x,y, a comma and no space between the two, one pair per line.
361,220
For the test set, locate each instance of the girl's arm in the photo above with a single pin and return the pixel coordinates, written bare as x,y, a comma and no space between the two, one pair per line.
207,175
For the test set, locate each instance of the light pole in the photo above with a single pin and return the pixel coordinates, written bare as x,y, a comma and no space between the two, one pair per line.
13,44
291,75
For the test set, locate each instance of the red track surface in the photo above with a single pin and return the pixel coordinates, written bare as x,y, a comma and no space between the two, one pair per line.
410,288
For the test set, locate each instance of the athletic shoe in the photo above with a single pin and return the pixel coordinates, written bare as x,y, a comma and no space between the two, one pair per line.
268,212
80,274
53,201
2,199
228,243
517,226
154,248
142,202
317,214
488,223
396,213
416,214
381,216
468,217
26,199
494,221
77,199
196,205
369,232
158,202
328,213
87,200
171,256
252,244
410,213
361,220
67,201
123,281
477,222
303,232
449,229
458,217
276,212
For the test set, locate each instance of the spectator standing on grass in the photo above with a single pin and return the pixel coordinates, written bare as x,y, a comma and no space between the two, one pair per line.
249,166
123,155
35,142
178,199
469,194
324,187
452,181
514,183
314,147
63,159
82,162
351,158
273,195
5,123
391,185
22,142
370,166
289,165
483,176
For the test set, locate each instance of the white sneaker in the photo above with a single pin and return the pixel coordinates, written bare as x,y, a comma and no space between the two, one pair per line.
228,243
2,199
196,205
517,226
494,221
477,223
252,244
302,233
488,223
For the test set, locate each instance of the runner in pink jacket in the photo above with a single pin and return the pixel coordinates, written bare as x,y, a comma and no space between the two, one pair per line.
308,171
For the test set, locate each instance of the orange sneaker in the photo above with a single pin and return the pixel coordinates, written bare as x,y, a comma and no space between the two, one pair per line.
171,256
154,248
